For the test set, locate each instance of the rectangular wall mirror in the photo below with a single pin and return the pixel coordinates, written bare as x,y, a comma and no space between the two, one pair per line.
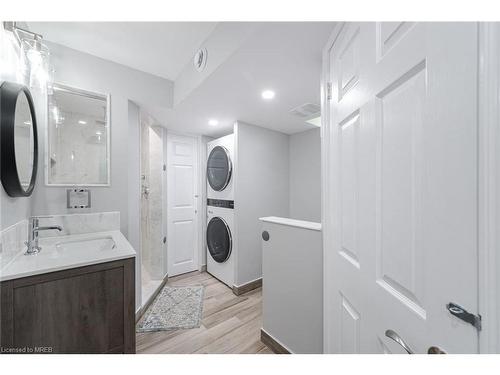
78,149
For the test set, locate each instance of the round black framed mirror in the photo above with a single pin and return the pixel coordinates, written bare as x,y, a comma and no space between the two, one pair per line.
18,140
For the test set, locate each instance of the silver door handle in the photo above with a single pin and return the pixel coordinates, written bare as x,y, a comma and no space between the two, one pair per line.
394,336
435,350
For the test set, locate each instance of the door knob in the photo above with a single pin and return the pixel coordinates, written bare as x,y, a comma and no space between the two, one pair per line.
394,336
435,350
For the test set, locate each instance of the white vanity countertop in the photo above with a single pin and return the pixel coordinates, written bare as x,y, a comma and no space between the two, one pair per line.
292,222
65,252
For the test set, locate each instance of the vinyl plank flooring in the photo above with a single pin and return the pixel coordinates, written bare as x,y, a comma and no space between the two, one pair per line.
231,339
253,346
230,324
265,350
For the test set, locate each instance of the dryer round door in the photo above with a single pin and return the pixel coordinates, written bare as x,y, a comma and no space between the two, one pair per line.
219,240
219,168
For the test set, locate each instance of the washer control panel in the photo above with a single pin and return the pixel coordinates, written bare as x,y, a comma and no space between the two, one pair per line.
222,203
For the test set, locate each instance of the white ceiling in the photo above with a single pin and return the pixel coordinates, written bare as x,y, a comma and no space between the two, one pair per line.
284,57
159,48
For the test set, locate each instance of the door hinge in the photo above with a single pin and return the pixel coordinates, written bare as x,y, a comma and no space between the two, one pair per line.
461,313
164,167
329,91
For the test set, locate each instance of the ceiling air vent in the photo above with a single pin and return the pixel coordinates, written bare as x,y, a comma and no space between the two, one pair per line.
200,59
306,110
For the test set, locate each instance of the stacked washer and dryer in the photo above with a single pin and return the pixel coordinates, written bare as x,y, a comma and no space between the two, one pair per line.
220,210
236,201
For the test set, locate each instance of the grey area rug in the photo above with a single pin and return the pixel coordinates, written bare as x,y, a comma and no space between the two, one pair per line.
174,308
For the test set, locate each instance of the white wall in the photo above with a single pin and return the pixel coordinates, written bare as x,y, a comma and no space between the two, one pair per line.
134,176
134,193
81,70
203,190
305,175
226,38
261,189
14,210
292,297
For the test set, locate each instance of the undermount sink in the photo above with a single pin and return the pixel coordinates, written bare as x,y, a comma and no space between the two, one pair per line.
63,252
105,243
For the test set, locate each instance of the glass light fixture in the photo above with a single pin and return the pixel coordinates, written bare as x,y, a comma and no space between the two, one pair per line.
36,62
34,57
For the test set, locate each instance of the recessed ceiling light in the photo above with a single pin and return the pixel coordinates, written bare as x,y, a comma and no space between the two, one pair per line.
81,122
213,122
268,94
98,133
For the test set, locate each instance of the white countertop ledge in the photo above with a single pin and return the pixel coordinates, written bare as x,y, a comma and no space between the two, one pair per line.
310,225
50,260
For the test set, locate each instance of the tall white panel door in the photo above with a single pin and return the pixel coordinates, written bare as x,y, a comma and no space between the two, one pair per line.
182,177
402,217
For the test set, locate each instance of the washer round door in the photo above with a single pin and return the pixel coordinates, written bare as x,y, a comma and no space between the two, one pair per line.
219,168
219,241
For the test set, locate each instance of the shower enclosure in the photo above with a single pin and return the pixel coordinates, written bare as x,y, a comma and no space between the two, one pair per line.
153,223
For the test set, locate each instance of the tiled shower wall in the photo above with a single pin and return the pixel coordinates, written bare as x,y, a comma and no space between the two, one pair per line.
151,212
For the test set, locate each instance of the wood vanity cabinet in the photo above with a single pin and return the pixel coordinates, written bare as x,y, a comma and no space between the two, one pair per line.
90,309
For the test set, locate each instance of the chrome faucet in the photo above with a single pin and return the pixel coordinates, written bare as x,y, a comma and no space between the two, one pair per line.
33,229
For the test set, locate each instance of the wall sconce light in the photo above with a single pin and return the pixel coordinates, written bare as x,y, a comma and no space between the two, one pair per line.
35,55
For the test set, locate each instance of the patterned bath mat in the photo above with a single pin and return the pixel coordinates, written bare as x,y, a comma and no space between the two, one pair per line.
174,308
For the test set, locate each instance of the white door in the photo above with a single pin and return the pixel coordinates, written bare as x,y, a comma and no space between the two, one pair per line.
400,225
182,232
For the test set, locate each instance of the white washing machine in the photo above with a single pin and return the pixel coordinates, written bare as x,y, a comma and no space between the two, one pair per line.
220,241
220,166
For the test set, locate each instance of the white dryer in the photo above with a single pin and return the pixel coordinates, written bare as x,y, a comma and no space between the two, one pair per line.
220,241
220,168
